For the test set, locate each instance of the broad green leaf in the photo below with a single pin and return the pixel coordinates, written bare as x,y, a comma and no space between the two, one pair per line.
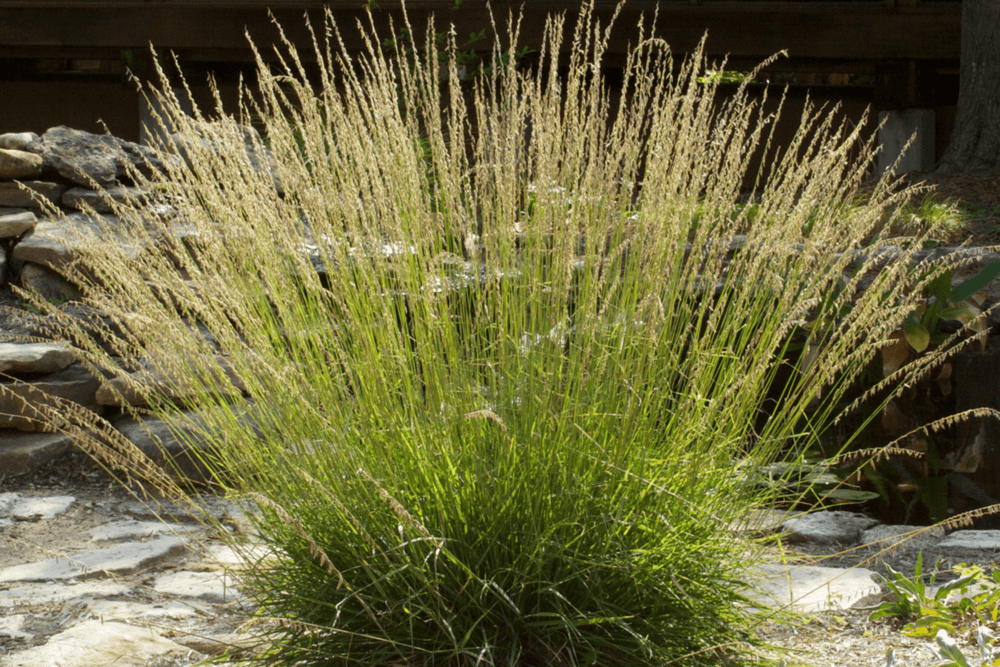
964,312
917,336
940,287
852,495
976,282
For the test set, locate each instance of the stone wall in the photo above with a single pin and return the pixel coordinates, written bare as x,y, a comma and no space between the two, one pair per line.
58,169
62,166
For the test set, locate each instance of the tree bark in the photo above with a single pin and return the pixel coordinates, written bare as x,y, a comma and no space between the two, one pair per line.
974,147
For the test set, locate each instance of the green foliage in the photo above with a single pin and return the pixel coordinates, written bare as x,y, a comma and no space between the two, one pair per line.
952,608
950,217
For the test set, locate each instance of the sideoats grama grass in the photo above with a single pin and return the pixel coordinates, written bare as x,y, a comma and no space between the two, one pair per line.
481,359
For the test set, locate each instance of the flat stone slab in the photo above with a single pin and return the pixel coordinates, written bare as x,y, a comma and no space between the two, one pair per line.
812,588
970,540
36,509
206,586
903,537
15,224
125,558
240,559
42,593
15,508
35,357
23,451
119,610
97,644
131,530
828,527
10,626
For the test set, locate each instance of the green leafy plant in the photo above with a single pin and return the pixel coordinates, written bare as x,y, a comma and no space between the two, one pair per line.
475,372
928,475
972,598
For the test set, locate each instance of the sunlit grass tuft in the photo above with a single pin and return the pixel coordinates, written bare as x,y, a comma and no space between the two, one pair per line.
504,346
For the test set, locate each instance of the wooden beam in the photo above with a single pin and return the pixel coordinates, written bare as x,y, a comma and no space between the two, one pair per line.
845,30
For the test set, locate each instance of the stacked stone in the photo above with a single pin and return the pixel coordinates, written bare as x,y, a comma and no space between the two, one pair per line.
45,182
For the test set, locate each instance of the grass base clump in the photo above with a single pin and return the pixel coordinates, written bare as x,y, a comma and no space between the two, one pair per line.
502,426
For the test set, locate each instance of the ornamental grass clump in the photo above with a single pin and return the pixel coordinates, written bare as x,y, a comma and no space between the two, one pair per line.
484,360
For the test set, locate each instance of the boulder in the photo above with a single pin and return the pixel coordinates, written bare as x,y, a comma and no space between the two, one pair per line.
17,140
124,558
22,194
906,538
985,542
145,159
261,159
121,390
168,445
15,224
36,509
54,243
35,357
22,452
828,527
81,157
100,201
208,586
18,400
15,164
810,588
95,643
46,283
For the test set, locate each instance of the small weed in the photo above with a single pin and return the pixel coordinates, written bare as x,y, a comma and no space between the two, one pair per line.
948,215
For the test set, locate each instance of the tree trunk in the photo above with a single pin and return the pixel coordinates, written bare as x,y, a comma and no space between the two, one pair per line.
974,147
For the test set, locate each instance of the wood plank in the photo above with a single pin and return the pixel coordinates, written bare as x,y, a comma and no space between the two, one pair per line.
869,31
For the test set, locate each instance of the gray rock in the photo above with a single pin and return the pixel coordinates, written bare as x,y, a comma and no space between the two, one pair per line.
15,164
20,400
828,527
46,283
17,140
10,626
129,610
7,501
3,265
22,452
15,224
22,194
962,541
82,157
145,159
98,644
35,357
36,509
124,558
130,529
811,588
262,160
55,243
207,586
43,593
100,201
225,511
163,444
120,390
900,537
